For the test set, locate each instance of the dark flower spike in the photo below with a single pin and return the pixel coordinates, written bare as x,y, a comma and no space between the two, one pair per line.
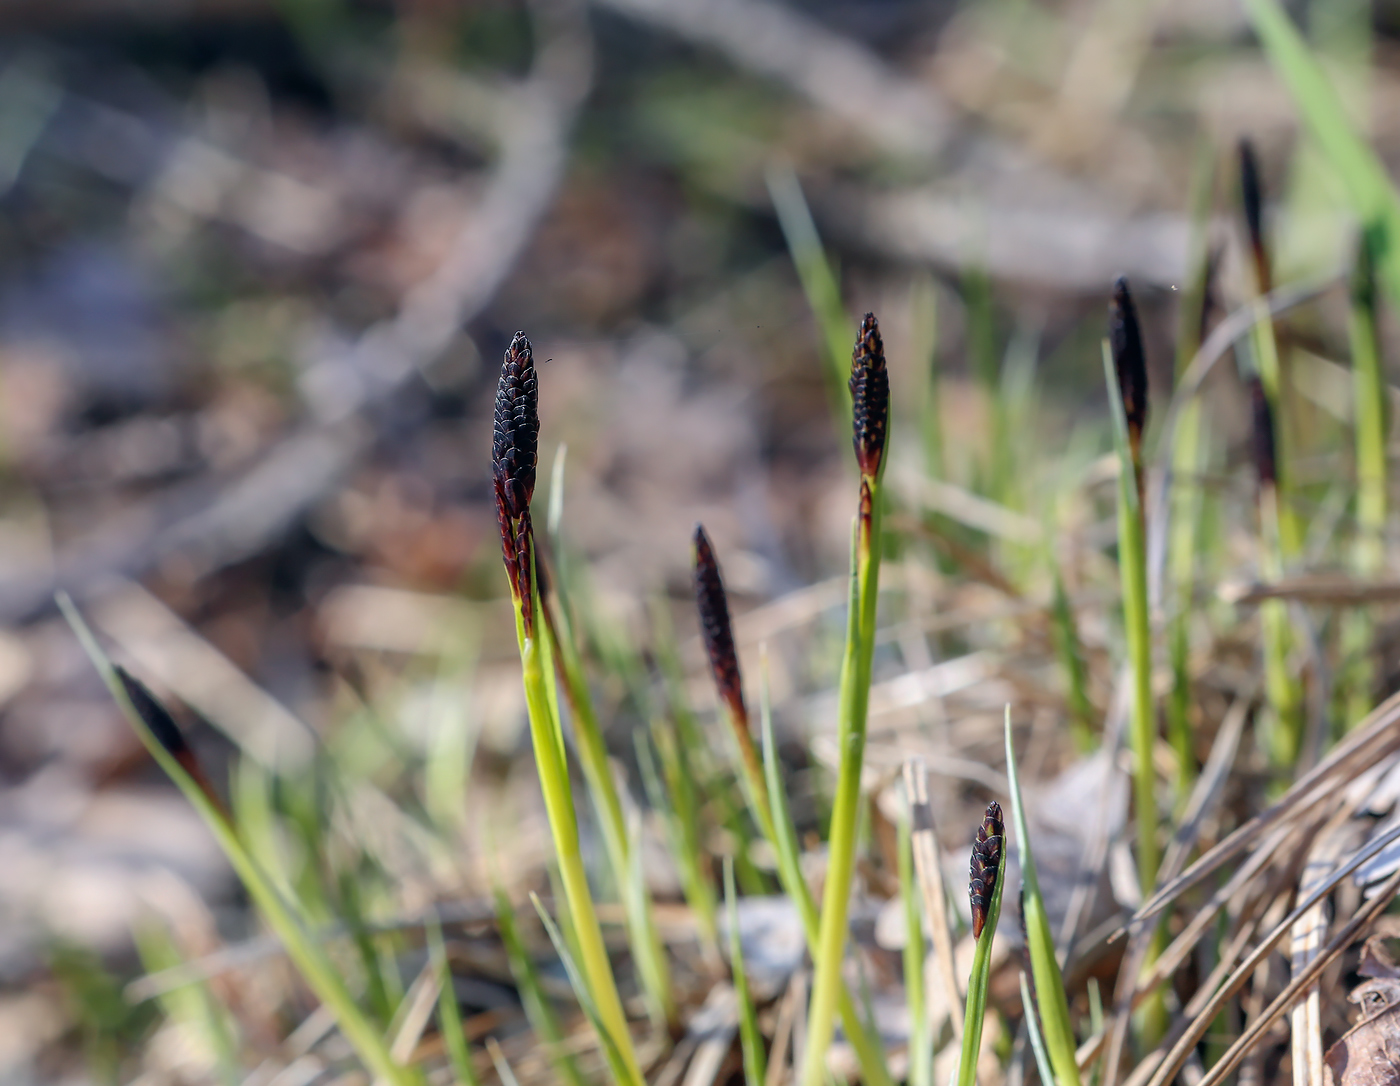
1210,293
1363,275
167,733
1252,200
986,859
516,436
713,605
1130,365
1265,462
870,397
514,457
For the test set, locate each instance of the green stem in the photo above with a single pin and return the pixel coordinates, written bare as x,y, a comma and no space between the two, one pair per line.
1369,399
854,705
647,949
563,825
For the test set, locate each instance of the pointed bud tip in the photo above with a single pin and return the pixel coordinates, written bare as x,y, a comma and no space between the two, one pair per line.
153,714
712,604
1129,358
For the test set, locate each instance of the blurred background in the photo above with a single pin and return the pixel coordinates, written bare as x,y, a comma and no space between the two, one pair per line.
258,265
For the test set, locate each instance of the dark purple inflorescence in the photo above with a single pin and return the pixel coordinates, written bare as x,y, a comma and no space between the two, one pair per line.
986,859
870,397
514,457
1265,457
715,626
1252,201
1129,362
154,715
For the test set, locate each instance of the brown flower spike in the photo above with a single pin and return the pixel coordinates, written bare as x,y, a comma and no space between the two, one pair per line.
1265,457
167,733
713,605
514,456
1130,364
1252,201
986,859
870,397
718,632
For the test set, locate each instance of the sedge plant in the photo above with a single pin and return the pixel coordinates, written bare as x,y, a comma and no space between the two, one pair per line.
161,736
515,447
763,786
1125,370
986,882
870,407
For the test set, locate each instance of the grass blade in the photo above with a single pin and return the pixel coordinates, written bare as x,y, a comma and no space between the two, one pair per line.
538,1008
915,952
1363,176
305,952
1045,967
449,1013
1042,1059
750,1039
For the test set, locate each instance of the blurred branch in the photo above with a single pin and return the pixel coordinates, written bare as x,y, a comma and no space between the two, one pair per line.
1071,235
241,518
833,72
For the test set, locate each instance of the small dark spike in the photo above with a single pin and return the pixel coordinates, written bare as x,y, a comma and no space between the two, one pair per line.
713,604
154,715
1265,455
1210,294
1252,201
167,733
986,860
870,397
1129,363
1363,275
514,458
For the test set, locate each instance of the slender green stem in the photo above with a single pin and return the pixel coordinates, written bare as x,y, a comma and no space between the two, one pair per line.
915,951
1188,459
751,1040
647,949
1132,565
449,1013
854,704
546,738
1142,731
1369,400
1264,344
768,804
1280,684
538,1009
